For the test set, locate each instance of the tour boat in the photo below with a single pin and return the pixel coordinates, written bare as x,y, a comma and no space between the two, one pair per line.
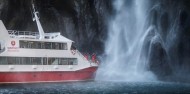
31,57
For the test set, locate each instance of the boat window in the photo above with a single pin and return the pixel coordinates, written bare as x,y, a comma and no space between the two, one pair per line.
68,61
11,60
73,61
51,61
3,60
53,45
44,61
60,46
18,60
43,45
23,44
47,45
64,61
37,61
30,44
65,46
22,61
56,46
36,45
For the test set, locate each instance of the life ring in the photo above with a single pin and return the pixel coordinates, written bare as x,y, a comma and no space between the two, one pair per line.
73,52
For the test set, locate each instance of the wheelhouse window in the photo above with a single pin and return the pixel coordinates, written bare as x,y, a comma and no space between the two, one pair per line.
43,45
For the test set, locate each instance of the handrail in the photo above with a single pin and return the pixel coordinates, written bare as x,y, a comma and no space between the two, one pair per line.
30,34
15,32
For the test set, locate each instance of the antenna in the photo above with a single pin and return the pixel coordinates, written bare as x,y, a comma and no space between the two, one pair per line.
33,6
36,18
32,14
34,10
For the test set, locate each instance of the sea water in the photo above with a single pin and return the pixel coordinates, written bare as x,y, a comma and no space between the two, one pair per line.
97,87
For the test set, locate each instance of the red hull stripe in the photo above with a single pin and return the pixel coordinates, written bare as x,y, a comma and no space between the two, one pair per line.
60,76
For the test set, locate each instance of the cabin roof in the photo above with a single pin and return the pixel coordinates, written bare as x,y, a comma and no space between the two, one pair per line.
62,38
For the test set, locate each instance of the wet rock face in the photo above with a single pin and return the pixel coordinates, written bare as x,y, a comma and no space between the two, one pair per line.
169,55
83,21
158,60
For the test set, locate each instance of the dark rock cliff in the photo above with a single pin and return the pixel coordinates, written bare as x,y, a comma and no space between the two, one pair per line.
83,21
170,53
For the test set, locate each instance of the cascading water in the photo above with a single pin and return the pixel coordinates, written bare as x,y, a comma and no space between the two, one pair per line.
123,51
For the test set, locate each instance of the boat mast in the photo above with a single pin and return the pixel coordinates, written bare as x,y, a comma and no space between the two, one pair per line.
36,18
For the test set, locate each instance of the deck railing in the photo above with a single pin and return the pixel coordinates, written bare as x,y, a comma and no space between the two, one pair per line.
29,34
15,32
23,34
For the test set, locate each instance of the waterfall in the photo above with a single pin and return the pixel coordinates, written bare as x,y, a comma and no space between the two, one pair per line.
124,58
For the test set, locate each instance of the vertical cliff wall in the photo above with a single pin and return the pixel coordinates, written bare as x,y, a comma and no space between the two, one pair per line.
83,21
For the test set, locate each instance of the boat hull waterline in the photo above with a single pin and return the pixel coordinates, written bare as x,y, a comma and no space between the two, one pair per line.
48,76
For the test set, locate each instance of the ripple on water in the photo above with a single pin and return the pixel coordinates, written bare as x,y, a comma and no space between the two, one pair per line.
101,87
